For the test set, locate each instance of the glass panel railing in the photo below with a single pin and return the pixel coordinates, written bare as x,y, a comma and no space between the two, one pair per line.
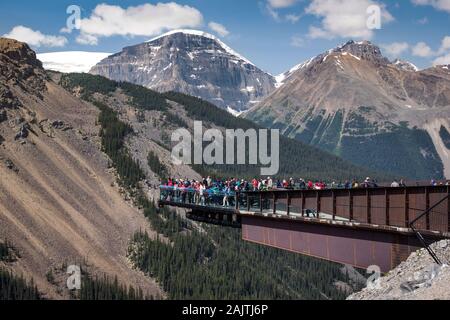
208,198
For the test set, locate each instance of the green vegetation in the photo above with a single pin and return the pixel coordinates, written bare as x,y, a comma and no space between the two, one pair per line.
198,261
113,133
330,138
404,152
175,120
6,251
104,288
445,136
296,159
141,97
16,288
13,287
312,125
89,84
156,165
217,264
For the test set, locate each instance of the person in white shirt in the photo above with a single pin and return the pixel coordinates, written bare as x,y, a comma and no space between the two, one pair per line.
202,194
269,183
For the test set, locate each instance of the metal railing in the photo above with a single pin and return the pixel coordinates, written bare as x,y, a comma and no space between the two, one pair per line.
386,207
421,238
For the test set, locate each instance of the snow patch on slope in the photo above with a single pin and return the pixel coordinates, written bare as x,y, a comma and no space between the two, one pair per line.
71,61
406,65
234,112
282,77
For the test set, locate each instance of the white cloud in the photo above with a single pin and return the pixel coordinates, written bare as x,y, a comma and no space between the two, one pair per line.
297,41
143,20
395,49
422,50
445,46
344,18
87,39
442,60
293,18
444,52
277,4
35,38
273,13
443,5
218,28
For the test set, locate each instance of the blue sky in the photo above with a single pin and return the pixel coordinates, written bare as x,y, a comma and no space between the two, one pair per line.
273,34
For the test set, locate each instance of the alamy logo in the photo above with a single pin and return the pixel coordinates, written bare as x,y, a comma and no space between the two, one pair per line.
373,17
73,22
250,147
373,282
74,280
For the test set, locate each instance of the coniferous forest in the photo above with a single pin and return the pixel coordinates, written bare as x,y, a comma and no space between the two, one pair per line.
13,287
199,261
296,159
214,264
217,264
105,288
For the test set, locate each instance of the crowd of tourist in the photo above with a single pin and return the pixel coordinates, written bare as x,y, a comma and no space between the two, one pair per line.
222,191
218,191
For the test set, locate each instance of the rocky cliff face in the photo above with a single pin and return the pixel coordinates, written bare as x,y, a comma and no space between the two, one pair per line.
18,67
418,278
193,63
59,203
354,102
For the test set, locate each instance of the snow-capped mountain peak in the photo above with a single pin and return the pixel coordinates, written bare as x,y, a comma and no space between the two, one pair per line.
405,65
203,34
191,62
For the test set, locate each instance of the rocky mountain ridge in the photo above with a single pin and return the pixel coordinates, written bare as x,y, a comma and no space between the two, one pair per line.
354,102
194,63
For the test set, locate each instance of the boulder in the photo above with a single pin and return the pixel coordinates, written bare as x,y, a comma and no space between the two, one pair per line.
23,132
3,116
11,166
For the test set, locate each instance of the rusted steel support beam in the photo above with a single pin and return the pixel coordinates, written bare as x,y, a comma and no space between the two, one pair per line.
318,204
303,204
333,194
427,207
406,208
288,204
274,198
386,196
260,203
350,204
448,209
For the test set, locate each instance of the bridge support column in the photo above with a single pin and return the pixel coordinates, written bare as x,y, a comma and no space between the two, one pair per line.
386,201
369,205
274,198
406,208
427,206
448,210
